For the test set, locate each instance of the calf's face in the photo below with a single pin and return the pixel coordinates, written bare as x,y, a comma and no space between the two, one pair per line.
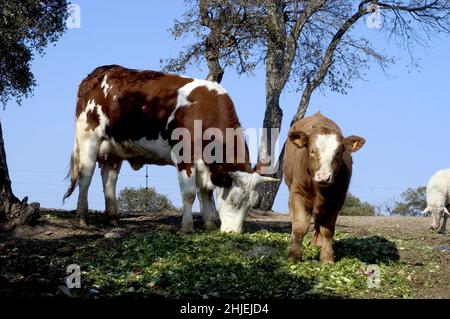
325,152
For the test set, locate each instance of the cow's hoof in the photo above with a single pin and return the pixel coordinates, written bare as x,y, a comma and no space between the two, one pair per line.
441,232
187,227
186,231
294,256
327,259
84,221
113,221
210,226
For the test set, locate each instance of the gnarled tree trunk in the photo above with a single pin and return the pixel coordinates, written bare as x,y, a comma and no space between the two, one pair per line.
272,119
275,66
13,212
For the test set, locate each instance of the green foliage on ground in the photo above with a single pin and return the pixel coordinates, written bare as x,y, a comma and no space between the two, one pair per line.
214,264
143,199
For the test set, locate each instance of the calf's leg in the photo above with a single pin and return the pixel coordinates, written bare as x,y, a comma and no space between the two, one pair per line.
316,239
301,219
110,172
326,227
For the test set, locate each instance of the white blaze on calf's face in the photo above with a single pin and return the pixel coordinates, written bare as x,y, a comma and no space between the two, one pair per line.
326,145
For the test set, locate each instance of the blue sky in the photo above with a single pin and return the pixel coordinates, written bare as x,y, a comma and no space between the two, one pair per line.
403,115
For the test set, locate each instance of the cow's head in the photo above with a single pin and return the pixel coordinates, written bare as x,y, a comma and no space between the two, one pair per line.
325,152
234,202
437,213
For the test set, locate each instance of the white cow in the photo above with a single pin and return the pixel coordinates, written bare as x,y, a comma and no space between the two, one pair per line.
438,199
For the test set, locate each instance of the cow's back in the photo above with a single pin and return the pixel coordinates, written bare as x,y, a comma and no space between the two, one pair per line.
315,122
136,103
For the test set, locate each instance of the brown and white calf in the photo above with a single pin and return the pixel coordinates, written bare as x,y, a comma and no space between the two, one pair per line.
143,117
317,171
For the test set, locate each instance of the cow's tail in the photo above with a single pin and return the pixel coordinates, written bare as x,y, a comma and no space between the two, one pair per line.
74,169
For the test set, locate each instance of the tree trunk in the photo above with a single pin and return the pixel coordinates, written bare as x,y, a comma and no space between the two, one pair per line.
212,58
267,192
276,40
212,42
266,156
5,181
13,212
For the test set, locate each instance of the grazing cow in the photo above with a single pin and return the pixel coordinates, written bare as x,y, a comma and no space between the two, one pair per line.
438,199
317,171
143,117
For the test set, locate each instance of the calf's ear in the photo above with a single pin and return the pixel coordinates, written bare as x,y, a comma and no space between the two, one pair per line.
298,138
353,143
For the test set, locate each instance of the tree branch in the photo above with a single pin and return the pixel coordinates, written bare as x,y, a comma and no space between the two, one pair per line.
311,85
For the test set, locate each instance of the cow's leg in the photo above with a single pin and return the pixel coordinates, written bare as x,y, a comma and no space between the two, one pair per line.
110,172
188,190
316,239
88,151
327,224
207,208
444,224
301,219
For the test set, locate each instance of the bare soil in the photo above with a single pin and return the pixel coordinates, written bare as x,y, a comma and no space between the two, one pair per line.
26,253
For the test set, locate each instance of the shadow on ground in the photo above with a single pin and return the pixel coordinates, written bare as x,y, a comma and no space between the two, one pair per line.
371,250
35,267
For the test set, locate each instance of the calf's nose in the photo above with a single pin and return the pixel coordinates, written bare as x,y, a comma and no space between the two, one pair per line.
323,177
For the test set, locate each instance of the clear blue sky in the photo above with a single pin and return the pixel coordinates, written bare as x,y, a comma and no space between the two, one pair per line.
404,116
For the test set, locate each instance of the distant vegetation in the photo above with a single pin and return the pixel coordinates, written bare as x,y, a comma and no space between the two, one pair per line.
413,202
144,199
353,206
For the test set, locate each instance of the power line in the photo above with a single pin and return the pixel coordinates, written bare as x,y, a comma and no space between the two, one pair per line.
64,173
155,177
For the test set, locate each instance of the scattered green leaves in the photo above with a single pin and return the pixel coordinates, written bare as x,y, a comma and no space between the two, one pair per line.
214,264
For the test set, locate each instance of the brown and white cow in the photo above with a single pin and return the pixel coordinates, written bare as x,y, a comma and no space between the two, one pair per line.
140,116
317,170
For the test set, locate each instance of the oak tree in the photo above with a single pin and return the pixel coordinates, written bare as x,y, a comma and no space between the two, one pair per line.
306,43
26,28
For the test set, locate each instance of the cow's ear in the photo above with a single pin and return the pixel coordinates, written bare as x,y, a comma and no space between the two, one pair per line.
299,138
353,143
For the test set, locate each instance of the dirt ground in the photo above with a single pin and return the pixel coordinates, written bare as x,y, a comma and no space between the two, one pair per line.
26,253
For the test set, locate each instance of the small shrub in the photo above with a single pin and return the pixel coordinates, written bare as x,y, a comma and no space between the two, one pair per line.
144,199
353,206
